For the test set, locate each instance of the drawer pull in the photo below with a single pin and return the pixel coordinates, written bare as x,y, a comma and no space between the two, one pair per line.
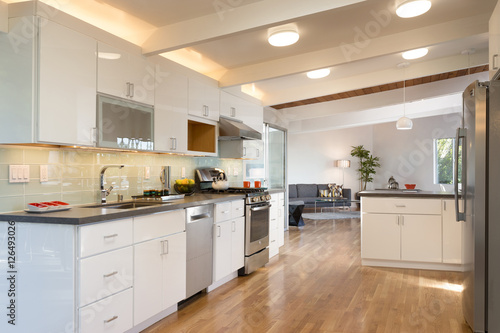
110,274
163,249
225,212
111,236
111,319
400,206
233,226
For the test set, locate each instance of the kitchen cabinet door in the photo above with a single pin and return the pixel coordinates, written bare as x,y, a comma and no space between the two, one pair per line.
203,100
171,105
148,279
452,234
281,219
237,108
237,243
421,238
222,250
494,40
380,236
125,75
174,269
67,86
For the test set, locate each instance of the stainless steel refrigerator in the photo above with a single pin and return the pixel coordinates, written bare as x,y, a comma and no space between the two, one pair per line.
477,168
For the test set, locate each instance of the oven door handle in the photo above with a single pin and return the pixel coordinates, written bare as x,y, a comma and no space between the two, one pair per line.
254,209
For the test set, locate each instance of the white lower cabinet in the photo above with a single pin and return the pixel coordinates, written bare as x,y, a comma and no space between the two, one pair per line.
159,263
401,235
276,223
229,238
111,315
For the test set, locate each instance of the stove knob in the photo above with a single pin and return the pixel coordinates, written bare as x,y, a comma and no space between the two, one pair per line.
255,199
262,198
268,197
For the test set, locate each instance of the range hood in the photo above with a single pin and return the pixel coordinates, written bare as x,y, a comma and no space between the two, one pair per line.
230,129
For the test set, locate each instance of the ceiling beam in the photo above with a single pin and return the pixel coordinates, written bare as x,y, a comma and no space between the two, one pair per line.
383,45
231,17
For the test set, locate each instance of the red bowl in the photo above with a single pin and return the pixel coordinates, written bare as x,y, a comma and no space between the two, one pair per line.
410,186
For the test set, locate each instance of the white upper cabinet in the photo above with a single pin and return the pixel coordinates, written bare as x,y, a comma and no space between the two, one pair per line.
237,108
494,40
125,75
67,86
203,100
171,105
47,84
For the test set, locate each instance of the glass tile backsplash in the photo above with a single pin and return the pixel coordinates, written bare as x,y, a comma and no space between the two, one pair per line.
73,174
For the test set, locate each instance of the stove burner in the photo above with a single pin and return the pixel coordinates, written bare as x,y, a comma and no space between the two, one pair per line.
236,190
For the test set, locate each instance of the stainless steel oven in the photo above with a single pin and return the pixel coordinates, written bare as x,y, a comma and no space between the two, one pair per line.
256,231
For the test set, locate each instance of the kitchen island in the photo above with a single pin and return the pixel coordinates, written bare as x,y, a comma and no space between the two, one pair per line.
95,269
410,229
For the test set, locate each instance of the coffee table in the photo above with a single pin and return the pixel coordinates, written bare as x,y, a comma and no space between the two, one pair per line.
344,201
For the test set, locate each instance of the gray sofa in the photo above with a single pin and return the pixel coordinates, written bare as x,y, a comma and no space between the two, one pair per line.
308,193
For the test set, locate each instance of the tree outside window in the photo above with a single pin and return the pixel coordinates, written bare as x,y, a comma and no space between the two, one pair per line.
444,158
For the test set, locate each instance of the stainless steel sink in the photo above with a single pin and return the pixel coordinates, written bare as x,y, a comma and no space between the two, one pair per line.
128,205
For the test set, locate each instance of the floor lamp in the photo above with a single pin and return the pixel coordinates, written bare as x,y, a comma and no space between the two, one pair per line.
342,164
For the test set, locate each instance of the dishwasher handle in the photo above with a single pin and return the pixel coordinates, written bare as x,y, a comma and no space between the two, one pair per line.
195,218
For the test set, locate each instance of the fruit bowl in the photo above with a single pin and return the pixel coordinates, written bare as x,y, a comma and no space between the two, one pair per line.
184,186
410,186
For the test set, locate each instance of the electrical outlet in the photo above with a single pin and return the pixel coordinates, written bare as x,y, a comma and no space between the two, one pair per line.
44,173
147,172
183,172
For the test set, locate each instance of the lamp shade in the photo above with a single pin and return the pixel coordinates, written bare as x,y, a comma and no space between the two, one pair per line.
342,164
404,123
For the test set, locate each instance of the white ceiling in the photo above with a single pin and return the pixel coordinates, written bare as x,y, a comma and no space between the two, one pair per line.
360,40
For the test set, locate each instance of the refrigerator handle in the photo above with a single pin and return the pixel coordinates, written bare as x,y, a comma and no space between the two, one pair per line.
461,134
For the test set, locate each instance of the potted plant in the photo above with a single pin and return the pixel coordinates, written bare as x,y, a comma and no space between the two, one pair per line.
367,165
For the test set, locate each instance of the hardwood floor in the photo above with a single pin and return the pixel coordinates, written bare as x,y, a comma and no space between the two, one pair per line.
317,284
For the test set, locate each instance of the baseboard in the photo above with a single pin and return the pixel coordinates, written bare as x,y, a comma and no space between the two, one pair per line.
222,281
159,316
413,265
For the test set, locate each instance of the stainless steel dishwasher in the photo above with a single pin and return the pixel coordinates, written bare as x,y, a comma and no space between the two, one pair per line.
199,229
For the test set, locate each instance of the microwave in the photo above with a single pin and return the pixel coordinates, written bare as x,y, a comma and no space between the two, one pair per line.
124,124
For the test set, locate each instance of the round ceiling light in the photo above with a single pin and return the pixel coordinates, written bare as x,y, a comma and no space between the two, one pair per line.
319,73
412,8
415,54
283,38
404,123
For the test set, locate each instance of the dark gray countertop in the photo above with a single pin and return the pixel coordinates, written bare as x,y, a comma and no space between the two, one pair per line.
78,215
407,194
275,190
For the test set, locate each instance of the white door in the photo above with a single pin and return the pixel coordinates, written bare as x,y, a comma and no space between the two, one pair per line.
380,236
174,269
452,234
148,279
421,238
222,250
67,86
237,243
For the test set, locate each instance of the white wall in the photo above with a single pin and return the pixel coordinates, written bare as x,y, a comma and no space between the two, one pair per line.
311,156
408,155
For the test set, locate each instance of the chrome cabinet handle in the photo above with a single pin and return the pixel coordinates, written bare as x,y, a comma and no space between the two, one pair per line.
400,206
244,151
494,61
206,110
233,226
111,319
132,90
110,274
218,231
232,112
163,251
110,236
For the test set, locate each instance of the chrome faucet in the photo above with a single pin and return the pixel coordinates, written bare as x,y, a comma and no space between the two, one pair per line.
106,192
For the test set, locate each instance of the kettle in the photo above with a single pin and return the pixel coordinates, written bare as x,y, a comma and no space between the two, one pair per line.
220,182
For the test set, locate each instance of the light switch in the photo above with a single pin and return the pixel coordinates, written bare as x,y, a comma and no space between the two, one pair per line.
19,173
44,173
147,172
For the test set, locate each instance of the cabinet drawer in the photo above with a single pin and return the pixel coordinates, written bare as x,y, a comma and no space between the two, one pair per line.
237,208
158,225
401,206
105,274
105,236
222,211
111,315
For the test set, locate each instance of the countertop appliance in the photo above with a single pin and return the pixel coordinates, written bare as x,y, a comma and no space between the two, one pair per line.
199,262
477,203
257,208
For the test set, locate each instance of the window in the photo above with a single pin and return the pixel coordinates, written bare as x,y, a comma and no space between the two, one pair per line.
444,160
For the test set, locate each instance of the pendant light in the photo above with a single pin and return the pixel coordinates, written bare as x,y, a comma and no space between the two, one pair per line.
404,123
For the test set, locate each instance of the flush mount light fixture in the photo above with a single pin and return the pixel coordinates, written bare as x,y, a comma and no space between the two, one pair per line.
283,35
412,8
415,54
319,73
